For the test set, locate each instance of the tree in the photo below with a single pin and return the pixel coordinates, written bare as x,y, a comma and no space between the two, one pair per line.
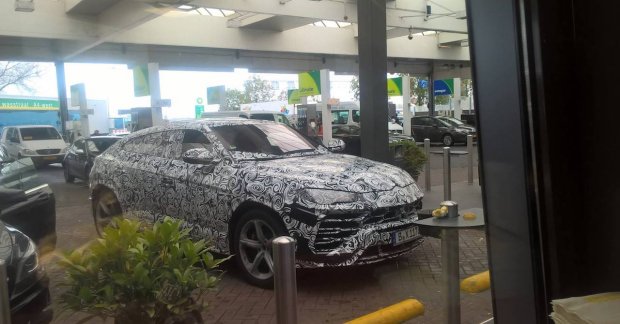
234,99
283,96
355,87
258,90
18,74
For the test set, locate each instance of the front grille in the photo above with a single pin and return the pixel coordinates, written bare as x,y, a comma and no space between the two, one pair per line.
48,151
334,229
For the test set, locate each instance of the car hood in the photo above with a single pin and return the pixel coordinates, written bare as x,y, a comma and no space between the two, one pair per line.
44,144
335,172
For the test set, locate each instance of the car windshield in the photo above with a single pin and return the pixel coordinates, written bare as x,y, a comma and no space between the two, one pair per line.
39,133
443,122
453,121
272,139
98,145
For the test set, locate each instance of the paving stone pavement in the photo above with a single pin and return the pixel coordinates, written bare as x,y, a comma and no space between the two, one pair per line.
331,295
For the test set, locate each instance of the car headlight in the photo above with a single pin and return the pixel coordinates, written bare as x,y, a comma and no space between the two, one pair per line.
25,251
27,152
328,197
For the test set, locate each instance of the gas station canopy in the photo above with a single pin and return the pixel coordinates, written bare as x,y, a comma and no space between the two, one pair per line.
261,35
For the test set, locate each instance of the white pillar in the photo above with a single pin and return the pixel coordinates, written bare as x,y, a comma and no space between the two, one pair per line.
458,110
156,113
78,98
406,105
326,110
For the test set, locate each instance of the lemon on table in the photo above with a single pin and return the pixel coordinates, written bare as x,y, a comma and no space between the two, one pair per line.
437,213
469,216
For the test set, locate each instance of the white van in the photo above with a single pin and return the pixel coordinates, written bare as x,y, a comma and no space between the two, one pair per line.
42,143
348,113
254,114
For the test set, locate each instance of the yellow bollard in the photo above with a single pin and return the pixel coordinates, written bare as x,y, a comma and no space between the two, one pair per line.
477,283
397,313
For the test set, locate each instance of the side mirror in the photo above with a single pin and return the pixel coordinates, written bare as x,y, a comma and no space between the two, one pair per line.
200,156
336,145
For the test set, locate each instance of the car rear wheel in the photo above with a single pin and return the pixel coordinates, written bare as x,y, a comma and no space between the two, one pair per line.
253,236
447,140
68,177
105,208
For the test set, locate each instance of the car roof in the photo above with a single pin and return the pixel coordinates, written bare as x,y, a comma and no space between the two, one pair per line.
200,124
32,126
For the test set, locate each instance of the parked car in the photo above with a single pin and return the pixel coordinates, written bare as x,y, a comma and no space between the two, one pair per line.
241,183
457,123
438,130
80,157
42,143
34,213
26,279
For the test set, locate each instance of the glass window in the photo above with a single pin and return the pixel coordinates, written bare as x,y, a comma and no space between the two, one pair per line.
39,133
194,139
275,139
162,144
97,146
282,119
419,121
356,116
340,117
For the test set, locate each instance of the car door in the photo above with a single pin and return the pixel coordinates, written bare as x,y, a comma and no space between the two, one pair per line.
419,126
437,130
78,159
206,204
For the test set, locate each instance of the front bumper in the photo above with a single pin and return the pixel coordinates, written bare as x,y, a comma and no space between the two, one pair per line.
46,159
342,238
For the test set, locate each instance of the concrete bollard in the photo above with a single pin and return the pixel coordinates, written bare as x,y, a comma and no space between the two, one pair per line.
477,283
397,313
470,159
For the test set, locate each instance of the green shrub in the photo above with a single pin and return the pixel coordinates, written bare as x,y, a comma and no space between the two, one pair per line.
411,155
139,274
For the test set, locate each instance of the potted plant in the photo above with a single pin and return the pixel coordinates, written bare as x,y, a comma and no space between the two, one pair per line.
138,274
409,156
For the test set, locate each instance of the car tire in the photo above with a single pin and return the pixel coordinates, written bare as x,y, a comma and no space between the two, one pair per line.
447,140
105,207
252,246
68,177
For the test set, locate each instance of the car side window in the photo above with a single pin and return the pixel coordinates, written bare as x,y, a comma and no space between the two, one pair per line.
161,144
262,117
194,139
340,117
418,121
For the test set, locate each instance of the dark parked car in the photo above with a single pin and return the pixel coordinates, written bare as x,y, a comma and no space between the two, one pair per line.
34,213
80,157
241,183
439,130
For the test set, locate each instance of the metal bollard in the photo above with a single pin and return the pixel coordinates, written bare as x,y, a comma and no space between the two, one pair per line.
5,308
427,170
470,159
450,275
285,282
447,174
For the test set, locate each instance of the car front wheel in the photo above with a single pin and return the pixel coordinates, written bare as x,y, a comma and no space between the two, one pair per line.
447,140
105,208
253,236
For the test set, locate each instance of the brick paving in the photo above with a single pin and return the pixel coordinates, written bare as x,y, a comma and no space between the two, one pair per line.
331,295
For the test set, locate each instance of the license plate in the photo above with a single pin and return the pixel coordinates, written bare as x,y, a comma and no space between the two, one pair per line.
405,235
49,158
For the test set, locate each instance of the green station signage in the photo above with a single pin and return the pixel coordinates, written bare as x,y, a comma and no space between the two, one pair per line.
28,104
309,83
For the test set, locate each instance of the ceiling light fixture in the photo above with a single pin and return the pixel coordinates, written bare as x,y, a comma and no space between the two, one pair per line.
186,7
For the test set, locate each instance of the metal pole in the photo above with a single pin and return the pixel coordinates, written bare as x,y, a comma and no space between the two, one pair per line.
5,308
450,275
427,170
470,159
447,181
285,283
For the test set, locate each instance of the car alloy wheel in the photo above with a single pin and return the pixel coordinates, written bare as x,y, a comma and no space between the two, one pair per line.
106,207
255,232
447,140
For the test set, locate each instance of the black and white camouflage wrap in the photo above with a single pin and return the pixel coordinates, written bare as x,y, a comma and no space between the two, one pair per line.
149,178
